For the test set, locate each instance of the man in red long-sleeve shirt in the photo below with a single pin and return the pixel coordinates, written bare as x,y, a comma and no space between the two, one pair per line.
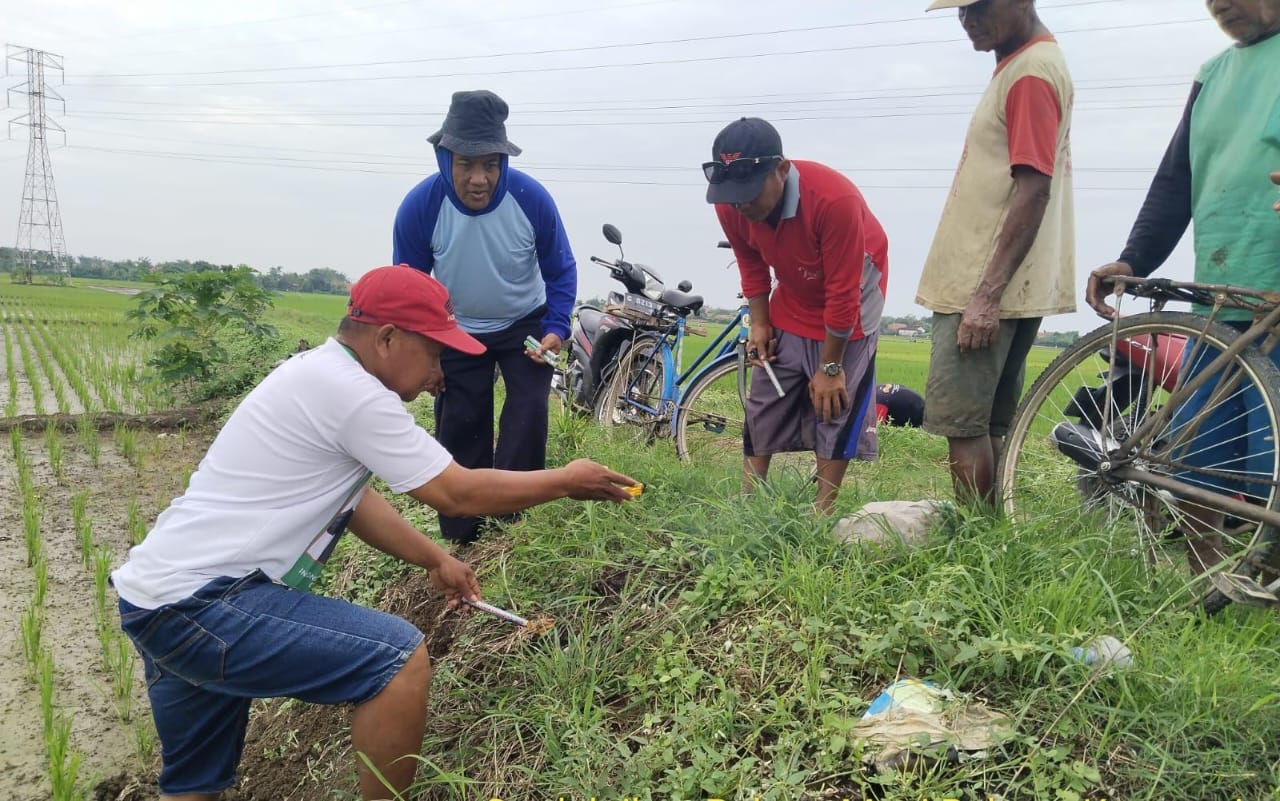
818,328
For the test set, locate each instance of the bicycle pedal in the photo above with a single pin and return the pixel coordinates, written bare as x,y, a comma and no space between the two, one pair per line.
1243,589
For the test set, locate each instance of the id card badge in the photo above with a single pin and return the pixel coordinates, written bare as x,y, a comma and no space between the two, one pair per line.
312,561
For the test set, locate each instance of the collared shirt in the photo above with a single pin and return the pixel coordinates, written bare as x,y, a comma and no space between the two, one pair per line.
828,252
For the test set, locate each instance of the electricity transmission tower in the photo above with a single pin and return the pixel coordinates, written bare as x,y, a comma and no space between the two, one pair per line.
41,247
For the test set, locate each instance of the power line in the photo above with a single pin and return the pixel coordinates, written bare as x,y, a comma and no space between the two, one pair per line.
624,182
921,111
514,53
616,65
491,21
381,111
368,160
507,20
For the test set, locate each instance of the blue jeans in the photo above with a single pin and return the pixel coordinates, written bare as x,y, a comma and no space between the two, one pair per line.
207,656
1234,436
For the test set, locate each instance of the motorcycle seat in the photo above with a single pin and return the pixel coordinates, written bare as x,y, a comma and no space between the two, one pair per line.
684,304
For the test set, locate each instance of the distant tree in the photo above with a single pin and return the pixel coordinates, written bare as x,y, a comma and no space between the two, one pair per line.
190,314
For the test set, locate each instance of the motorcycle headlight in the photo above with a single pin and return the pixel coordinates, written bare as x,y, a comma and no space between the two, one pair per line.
653,288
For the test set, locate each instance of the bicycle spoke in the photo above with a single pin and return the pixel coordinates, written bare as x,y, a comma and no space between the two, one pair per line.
1137,460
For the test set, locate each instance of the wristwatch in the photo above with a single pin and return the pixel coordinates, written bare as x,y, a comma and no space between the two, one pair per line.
832,369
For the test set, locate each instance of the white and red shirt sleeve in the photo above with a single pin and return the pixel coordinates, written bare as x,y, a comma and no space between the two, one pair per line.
1033,116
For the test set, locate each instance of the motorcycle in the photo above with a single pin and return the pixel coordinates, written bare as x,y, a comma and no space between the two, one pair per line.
601,337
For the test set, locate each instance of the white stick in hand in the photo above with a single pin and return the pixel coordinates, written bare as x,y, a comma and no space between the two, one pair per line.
768,369
496,612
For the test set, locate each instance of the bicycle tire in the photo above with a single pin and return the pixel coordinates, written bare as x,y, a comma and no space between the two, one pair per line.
1031,473
616,408
712,415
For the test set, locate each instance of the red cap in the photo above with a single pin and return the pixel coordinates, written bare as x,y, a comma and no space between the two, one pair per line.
411,300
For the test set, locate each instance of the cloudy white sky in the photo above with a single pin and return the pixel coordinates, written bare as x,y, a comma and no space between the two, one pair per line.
283,132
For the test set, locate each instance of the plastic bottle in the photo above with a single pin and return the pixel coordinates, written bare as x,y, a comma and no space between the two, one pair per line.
1104,650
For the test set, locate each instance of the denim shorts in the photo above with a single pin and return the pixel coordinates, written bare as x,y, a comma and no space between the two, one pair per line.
207,656
1234,437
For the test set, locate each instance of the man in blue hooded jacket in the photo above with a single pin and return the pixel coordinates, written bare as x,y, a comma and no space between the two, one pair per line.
493,237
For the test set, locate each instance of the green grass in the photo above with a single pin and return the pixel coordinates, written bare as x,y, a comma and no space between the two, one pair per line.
898,360
709,645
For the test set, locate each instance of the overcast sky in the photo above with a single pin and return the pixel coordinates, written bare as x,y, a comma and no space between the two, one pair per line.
283,132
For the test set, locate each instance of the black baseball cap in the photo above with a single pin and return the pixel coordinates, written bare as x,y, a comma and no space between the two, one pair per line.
746,138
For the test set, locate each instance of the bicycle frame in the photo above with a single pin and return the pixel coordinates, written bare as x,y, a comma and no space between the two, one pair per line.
1120,464
670,347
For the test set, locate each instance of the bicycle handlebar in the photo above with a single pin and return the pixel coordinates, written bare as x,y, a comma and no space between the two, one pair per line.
1162,290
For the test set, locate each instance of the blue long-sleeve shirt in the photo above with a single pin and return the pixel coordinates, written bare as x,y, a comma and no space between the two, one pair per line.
1166,212
499,264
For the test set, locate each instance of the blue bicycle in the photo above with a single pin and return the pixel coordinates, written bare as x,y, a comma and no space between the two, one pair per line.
653,396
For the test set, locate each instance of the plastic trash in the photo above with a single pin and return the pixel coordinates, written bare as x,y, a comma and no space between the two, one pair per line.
913,714
914,695
1103,651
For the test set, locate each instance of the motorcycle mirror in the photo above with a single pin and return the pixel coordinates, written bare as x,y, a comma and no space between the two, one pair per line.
685,286
612,234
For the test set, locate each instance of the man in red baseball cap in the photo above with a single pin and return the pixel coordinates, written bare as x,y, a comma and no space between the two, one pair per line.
216,597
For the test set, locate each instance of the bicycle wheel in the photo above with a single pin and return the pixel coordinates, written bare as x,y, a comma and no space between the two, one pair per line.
1066,433
630,406
710,421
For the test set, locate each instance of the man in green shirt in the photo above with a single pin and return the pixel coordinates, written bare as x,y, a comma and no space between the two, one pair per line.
1212,175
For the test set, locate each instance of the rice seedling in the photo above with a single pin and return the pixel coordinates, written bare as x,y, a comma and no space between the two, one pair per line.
15,441
137,524
33,379
32,514
127,442
119,658
56,384
101,572
32,633
53,446
64,762
88,434
42,583
11,404
83,526
44,685
71,369
144,739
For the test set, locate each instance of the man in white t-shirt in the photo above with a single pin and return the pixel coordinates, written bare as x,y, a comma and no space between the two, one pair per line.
215,598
